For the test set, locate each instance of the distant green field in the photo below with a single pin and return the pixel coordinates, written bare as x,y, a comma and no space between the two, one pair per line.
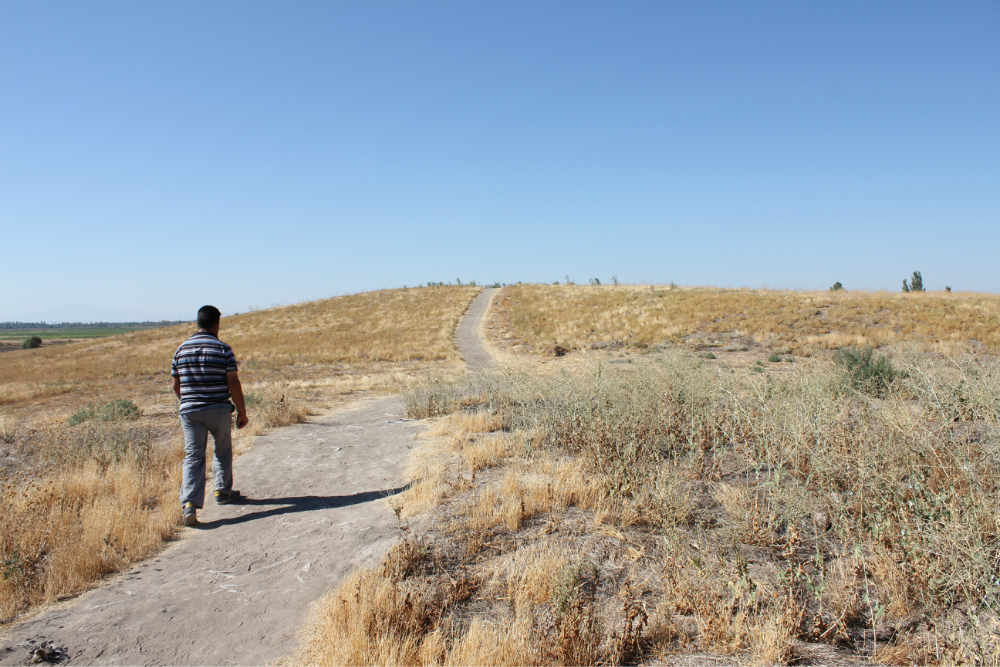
44,334
18,332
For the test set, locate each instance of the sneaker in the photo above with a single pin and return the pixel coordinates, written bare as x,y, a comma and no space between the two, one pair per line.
190,514
226,497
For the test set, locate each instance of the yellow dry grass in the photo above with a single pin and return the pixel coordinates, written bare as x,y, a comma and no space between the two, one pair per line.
578,316
59,535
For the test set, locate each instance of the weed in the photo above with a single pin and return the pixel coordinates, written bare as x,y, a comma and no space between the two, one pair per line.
836,287
708,355
774,359
8,430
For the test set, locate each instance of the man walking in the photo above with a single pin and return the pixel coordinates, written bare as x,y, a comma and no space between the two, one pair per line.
205,377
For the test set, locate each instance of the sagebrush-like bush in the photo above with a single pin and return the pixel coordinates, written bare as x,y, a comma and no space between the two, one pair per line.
121,409
31,343
866,370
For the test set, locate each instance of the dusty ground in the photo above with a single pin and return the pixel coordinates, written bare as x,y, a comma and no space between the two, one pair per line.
235,590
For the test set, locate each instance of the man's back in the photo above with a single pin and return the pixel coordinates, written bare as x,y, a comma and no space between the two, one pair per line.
201,363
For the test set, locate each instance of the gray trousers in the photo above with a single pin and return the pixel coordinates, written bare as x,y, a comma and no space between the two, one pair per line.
218,421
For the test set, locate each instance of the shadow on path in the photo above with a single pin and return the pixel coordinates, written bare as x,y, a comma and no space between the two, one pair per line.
295,504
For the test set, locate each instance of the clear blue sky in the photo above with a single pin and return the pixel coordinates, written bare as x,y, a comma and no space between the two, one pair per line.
156,156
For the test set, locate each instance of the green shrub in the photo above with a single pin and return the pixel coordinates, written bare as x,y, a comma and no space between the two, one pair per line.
836,287
122,409
31,343
866,370
774,359
709,355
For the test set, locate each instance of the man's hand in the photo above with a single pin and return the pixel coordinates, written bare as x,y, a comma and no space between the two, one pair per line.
236,391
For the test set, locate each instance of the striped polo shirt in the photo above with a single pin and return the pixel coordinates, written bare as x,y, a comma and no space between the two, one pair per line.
201,362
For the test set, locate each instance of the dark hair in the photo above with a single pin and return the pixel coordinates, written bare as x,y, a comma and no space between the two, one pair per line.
208,317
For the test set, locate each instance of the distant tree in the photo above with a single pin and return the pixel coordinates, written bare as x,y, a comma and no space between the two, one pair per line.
595,281
837,287
916,283
31,343
947,288
614,280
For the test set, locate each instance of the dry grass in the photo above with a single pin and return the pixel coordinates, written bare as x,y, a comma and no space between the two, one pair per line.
113,502
673,507
590,317
79,509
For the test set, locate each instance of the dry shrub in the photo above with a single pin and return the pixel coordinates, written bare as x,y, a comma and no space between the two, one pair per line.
113,506
434,396
272,405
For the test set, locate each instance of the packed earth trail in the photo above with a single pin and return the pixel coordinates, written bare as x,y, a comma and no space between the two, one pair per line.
235,590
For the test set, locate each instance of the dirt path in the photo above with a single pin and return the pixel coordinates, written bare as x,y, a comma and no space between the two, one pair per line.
469,336
235,591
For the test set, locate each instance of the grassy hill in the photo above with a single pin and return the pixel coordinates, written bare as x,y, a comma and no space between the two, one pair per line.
403,325
801,323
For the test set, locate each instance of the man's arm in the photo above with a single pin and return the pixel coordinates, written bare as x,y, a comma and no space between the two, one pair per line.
177,386
236,390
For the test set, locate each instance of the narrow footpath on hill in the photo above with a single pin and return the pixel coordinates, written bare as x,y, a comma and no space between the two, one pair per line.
235,590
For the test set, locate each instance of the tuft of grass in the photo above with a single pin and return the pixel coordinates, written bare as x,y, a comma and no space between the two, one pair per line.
774,359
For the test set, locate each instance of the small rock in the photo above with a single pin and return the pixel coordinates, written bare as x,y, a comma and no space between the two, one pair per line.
822,521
